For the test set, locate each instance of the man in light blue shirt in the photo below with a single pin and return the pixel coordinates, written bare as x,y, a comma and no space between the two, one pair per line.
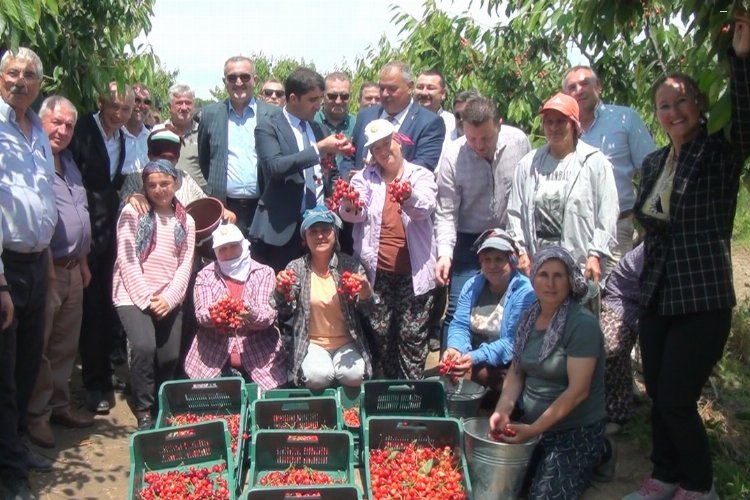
619,132
28,216
226,142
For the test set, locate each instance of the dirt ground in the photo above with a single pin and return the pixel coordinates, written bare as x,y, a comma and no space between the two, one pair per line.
95,463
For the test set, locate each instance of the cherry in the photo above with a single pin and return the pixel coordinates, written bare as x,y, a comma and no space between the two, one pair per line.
228,314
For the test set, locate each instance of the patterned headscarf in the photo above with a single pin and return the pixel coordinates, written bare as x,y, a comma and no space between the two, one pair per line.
556,328
145,239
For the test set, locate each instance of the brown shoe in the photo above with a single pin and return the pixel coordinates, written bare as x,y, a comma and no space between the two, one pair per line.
40,433
69,419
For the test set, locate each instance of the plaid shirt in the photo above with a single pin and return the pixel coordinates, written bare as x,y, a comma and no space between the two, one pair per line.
258,341
297,342
688,266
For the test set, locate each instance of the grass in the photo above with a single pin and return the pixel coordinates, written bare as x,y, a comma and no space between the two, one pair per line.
741,234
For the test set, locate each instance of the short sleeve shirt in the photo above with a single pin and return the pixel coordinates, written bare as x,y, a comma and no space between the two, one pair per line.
547,380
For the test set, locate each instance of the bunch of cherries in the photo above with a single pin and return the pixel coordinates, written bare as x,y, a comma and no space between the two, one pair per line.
286,284
350,286
446,369
228,314
205,483
342,190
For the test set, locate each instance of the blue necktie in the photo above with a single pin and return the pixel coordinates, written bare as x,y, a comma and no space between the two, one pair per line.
309,200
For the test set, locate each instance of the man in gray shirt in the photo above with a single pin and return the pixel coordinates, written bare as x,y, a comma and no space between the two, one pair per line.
474,179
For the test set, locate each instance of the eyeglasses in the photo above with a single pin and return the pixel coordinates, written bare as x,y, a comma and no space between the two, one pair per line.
332,96
147,102
272,92
245,77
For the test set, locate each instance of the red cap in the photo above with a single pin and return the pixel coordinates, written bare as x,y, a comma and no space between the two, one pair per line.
565,105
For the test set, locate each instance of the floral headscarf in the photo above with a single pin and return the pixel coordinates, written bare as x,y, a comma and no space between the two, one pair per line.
145,239
556,328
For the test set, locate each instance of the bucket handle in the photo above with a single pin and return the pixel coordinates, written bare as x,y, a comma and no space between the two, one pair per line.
204,240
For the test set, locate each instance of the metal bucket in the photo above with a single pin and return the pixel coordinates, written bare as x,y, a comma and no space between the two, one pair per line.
497,470
462,398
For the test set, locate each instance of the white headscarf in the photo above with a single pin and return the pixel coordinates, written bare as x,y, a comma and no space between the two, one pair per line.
238,268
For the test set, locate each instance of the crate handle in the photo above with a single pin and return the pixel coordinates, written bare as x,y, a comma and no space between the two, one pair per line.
205,385
301,438
295,405
412,426
402,388
310,496
182,433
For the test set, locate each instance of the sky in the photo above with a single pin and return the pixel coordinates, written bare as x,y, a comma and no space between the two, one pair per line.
197,36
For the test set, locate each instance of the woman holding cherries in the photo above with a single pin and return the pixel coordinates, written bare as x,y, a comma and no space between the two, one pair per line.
554,388
318,296
393,237
236,333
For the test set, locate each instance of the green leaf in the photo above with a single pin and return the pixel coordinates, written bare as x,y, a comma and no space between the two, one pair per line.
426,467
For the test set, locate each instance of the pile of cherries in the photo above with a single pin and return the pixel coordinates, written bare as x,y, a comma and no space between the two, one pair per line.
351,417
399,191
342,190
349,287
232,419
446,369
205,483
294,476
286,284
228,314
417,471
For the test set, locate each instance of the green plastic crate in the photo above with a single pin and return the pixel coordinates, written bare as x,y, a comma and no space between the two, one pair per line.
207,396
298,393
326,451
398,432
285,414
253,393
178,448
351,397
384,398
337,492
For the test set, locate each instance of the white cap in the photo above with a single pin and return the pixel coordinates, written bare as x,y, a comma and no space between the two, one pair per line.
226,233
376,130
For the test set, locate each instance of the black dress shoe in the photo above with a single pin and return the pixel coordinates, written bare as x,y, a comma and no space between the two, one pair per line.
97,403
37,463
16,489
145,422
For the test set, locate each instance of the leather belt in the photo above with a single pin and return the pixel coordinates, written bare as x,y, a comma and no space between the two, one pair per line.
65,262
625,214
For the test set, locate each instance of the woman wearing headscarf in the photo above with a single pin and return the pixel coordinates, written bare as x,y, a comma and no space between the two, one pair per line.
254,349
564,194
325,344
686,203
395,242
555,385
483,331
154,260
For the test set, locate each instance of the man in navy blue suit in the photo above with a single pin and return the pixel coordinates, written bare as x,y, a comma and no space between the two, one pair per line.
290,146
425,128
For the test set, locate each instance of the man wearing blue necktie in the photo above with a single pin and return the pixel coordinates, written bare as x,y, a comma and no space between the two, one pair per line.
290,146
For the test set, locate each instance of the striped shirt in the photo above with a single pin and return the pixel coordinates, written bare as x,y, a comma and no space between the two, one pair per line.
257,341
165,272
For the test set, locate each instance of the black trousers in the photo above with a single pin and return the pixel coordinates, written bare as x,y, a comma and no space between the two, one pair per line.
678,354
154,352
21,347
245,211
100,325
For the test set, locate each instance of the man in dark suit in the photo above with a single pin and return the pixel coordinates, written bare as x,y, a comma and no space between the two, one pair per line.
425,129
226,142
98,148
290,146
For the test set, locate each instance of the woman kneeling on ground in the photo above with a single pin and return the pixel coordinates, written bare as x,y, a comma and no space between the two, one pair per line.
254,349
483,331
324,343
555,383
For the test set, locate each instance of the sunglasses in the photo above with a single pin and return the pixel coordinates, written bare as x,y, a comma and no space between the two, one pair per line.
245,77
332,96
147,102
272,92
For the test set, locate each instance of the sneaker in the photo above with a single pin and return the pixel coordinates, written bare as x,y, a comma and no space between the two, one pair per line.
682,494
653,489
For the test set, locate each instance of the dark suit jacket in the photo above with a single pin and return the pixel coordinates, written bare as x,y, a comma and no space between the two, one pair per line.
90,154
213,145
425,128
283,166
